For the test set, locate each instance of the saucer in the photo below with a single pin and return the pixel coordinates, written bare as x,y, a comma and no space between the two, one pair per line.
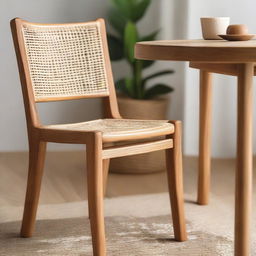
237,37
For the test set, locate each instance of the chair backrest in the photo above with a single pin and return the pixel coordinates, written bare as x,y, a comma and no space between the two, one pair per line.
63,61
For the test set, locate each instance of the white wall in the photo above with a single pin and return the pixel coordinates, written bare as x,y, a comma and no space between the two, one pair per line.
174,26
225,95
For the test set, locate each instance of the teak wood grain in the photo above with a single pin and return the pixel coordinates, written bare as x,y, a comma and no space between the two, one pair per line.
137,148
228,58
244,73
230,69
244,160
175,182
197,50
205,137
98,154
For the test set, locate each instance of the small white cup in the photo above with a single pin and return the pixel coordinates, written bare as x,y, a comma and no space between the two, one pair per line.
214,26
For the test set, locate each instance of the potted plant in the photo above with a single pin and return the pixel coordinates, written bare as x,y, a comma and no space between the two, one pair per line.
135,98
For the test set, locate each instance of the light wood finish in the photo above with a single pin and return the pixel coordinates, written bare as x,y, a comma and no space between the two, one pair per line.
137,148
93,137
105,167
37,150
95,193
219,68
197,50
231,58
175,181
245,73
238,37
205,137
226,69
244,160
45,99
237,29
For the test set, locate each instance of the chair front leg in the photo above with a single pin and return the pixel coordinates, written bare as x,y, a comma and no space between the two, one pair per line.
37,150
105,163
175,182
95,193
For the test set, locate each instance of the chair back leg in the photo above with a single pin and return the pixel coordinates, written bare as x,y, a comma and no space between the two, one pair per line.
95,193
175,183
37,152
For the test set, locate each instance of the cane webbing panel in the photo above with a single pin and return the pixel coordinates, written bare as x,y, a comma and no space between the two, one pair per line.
113,129
65,60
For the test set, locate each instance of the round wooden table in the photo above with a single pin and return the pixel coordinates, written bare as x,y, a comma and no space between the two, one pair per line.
233,58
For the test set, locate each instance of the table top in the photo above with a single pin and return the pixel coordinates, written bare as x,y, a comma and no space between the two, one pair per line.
198,50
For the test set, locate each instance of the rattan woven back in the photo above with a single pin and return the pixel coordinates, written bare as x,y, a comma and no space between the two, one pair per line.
65,61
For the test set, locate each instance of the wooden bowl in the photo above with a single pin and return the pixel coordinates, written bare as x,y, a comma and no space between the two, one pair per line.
237,32
237,37
237,29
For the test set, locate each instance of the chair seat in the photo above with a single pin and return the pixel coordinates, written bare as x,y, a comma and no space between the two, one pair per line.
121,129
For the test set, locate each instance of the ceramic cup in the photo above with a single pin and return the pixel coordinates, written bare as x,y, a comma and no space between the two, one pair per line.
214,26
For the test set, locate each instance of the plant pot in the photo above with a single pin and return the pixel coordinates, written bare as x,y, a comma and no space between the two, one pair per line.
141,109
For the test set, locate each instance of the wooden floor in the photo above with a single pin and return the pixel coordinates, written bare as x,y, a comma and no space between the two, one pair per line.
65,178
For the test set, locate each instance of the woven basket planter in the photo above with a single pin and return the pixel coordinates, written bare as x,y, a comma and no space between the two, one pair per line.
141,109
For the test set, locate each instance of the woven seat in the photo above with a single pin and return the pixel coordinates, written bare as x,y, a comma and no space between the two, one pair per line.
121,129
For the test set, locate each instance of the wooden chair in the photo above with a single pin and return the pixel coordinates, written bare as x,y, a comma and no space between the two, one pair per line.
71,61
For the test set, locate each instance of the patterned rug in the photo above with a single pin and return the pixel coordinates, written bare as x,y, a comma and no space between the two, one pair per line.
135,225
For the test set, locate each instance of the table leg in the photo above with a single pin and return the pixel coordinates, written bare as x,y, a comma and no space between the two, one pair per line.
244,161
205,137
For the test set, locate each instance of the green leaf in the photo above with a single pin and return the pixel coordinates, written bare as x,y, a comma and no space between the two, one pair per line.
117,20
125,86
116,49
139,9
138,83
157,90
150,37
147,63
160,73
130,38
124,7
129,84
121,86
133,10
